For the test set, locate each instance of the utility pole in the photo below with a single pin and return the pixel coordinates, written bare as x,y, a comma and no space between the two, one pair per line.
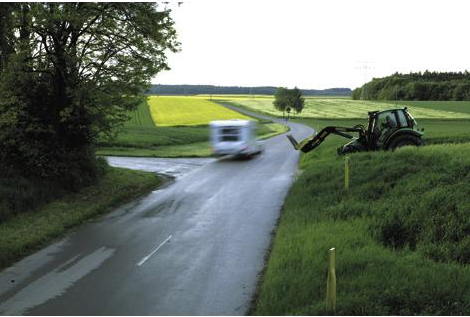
364,66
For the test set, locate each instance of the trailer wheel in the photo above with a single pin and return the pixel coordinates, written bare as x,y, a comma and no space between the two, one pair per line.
405,140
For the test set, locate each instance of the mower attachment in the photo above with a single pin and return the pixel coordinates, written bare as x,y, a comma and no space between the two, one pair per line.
306,145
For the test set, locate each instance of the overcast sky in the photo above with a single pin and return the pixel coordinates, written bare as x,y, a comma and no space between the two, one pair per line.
315,44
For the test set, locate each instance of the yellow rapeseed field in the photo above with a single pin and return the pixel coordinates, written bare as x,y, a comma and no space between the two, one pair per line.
179,110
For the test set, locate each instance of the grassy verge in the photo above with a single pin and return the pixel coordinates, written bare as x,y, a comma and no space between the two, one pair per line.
27,232
141,144
400,233
197,149
268,130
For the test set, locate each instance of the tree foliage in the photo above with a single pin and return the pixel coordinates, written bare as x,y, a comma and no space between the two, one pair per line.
70,71
417,86
286,99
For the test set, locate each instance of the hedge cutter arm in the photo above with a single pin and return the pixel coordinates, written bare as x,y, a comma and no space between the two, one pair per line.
316,139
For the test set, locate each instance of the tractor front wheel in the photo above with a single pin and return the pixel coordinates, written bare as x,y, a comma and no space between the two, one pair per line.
405,140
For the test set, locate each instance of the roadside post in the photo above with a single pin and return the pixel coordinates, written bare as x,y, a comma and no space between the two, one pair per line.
331,282
347,163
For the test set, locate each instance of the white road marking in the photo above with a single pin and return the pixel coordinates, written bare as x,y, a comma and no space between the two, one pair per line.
54,283
153,252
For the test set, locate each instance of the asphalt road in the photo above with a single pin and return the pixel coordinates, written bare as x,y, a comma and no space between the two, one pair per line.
194,247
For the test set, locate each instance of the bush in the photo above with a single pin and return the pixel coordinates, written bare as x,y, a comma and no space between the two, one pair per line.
19,193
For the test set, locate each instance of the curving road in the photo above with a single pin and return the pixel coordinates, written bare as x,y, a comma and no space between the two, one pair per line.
194,247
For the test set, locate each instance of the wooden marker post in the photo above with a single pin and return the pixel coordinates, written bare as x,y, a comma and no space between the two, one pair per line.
346,172
331,282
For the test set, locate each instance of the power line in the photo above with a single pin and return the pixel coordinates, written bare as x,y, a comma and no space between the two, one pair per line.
364,66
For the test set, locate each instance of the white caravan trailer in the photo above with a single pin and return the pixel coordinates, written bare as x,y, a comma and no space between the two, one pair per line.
234,137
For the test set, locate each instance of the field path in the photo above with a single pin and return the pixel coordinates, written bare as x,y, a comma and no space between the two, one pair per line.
194,247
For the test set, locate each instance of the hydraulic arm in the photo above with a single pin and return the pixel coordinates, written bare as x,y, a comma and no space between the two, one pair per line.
317,138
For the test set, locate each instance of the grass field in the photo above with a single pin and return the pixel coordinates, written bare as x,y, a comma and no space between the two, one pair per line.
454,106
141,137
443,122
141,117
228,96
347,108
400,233
179,111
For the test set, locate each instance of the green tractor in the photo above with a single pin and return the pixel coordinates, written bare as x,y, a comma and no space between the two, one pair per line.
386,130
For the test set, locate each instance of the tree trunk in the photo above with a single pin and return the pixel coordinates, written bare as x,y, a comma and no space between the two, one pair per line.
5,48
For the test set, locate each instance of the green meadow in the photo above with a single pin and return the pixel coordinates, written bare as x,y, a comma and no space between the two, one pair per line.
453,106
174,126
347,108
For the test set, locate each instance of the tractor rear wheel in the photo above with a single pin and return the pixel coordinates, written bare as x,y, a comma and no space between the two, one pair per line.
405,140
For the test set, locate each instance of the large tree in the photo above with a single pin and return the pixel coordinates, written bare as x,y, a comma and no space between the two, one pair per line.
70,71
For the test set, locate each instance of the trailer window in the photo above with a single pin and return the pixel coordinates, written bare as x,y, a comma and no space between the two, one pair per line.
229,138
229,131
229,134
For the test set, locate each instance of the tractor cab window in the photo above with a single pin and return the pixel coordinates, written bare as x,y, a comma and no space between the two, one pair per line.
411,120
402,119
385,124
386,121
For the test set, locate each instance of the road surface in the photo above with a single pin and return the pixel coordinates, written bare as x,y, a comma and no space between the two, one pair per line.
194,247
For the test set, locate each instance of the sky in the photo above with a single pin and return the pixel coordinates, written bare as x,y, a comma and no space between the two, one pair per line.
314,44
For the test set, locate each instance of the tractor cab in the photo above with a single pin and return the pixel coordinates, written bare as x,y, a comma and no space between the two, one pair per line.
384,124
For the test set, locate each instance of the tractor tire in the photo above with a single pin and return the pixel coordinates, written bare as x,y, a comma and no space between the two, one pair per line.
405,140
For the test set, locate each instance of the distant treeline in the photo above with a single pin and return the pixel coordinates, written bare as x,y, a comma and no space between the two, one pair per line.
236,90
417,86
